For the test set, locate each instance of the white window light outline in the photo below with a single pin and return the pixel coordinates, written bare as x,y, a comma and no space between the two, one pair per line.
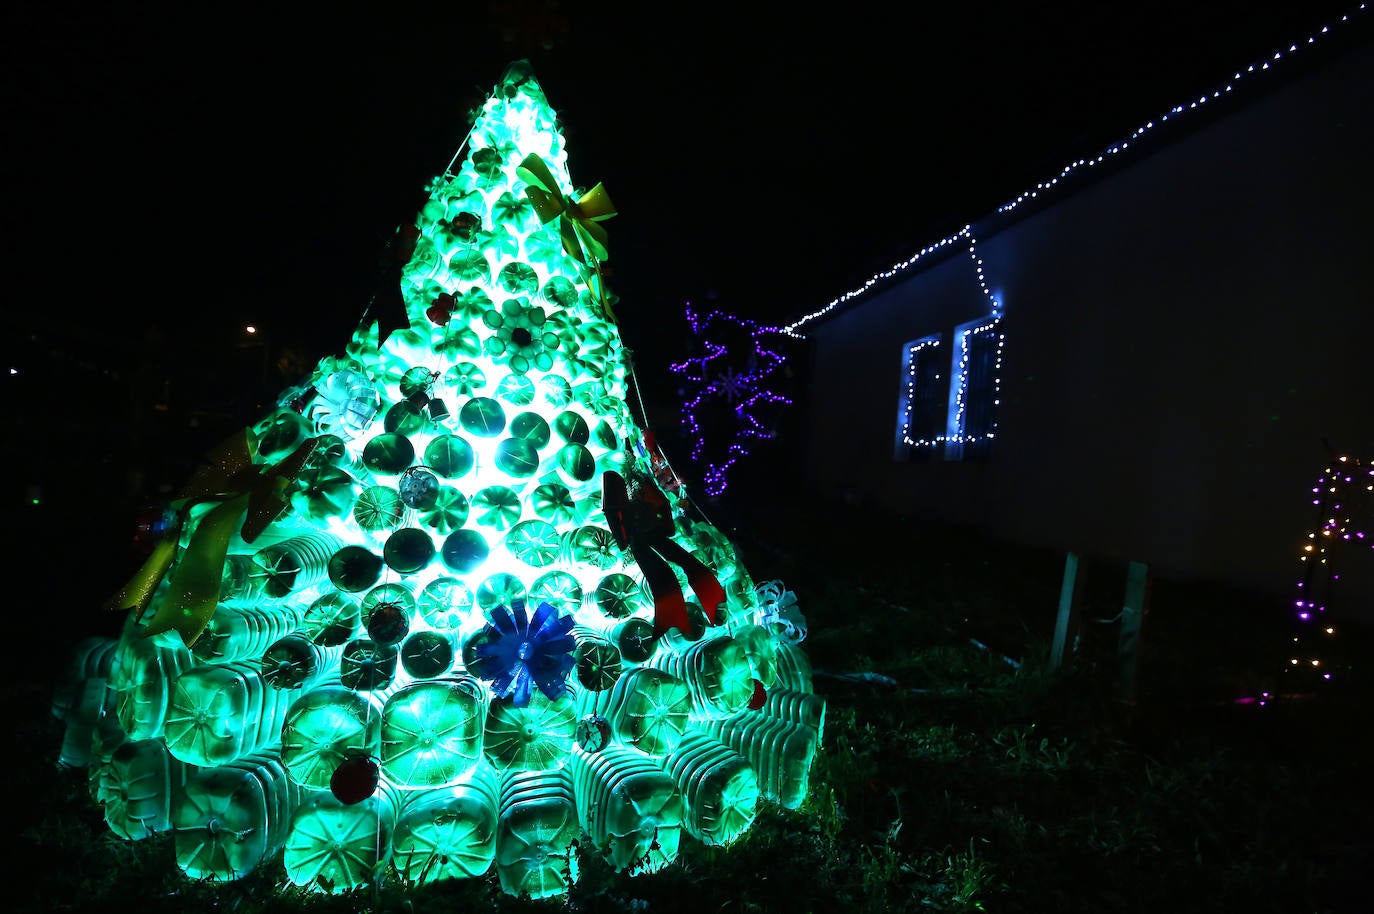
955,437
907,395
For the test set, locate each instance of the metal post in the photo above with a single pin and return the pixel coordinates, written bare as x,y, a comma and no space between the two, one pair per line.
1133,612
1066,626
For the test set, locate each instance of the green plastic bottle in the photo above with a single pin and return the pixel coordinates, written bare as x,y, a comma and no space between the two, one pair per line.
295,564
536,829
222,712
536,737
326,725
780,751
794,669
720,790
630,808
136,786
432,731
798,708
334,847
448,832
228,819
295,662
244,631
647,710
716,670
142,674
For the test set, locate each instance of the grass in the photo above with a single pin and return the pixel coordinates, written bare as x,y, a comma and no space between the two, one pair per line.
953,776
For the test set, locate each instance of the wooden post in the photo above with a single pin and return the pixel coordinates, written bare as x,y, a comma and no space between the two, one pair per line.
1133,612
1066,626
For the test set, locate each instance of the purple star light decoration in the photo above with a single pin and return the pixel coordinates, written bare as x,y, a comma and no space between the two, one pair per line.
726,382
519,654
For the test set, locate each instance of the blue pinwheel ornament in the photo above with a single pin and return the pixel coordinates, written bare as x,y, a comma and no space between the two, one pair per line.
519,653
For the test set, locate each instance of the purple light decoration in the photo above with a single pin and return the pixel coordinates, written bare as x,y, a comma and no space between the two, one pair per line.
716,378
1333,490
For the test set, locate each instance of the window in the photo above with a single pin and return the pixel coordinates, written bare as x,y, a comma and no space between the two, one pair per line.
921,418
975,378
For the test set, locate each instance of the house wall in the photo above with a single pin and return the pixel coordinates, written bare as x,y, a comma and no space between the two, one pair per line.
1180,337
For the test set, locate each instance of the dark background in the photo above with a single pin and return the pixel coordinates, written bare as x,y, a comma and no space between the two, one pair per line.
174,172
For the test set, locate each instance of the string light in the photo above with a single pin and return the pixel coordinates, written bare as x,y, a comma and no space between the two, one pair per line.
956,435
1343,483
714,381
913,364
1078,165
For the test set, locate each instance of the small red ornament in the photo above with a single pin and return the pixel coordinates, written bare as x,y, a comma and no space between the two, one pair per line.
406,237
465,227
355,779
760,696
151,526
442,309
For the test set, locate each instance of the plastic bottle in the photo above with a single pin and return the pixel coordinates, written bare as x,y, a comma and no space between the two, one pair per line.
596,661
635,639
716,670
762,650
647,709
367,666
432,731
780,751
427,654
630,808
136,787
331,620
222,712
295,662
536,737
333,847
794,669
238,582
354,568
296,563
536,828
448,832
228,819
243,632
142,674
91,657
93,701
798,708
720,789
323,727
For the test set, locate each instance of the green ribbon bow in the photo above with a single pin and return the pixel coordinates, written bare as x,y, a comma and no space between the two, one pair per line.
247,494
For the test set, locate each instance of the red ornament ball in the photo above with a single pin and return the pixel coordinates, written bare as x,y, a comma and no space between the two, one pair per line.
441,310
355,779
759,697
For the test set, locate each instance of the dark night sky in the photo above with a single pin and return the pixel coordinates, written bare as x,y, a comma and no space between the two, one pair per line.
200,170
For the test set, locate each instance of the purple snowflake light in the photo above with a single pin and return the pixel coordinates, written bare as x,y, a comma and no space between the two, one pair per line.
720,377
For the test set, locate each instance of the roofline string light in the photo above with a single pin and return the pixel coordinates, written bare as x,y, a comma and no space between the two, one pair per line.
1077,165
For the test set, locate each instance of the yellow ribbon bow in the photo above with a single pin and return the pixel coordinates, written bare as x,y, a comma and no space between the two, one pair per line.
577,220
582,236
247,493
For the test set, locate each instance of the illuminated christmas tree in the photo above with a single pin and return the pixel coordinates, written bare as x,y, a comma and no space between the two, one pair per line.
446,610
